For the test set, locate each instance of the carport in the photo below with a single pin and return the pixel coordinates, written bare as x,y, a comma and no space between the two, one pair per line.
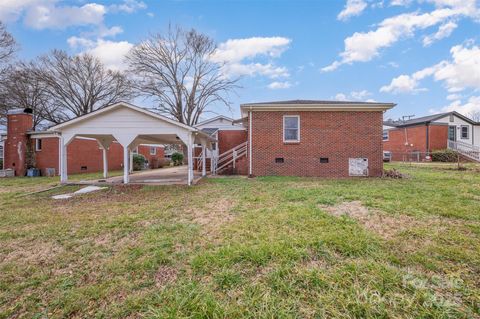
130,126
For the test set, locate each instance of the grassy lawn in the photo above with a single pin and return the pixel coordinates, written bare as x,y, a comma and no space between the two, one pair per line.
270,247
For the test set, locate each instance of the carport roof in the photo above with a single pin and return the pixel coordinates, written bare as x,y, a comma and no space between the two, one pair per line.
117,105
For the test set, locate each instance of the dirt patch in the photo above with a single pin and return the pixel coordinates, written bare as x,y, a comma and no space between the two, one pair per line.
213,214
374,220
37,252
165,275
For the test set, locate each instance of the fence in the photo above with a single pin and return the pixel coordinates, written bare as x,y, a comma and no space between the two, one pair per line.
446,156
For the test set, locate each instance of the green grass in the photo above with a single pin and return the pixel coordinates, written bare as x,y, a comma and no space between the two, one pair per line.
245,248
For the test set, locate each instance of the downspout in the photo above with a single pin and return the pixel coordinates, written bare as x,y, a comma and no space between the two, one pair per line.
250,120
428,138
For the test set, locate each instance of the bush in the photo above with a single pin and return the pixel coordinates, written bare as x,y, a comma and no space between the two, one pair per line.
138,162
446,155
177,159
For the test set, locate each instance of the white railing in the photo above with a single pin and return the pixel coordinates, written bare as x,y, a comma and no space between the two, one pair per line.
468,150
199,161
229,157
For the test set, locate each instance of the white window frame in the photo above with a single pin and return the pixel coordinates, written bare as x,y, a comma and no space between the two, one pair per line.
461,132
283,131
388,135
38,141
154,148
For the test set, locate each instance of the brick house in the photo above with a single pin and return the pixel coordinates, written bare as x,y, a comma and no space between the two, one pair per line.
314,138
291,138
414,139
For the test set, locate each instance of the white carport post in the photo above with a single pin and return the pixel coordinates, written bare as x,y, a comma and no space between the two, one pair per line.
63,142
125,140
130,165
104,145
204,160
105,163
190,158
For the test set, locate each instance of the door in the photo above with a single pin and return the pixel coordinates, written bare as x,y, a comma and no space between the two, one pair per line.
452,133
358,166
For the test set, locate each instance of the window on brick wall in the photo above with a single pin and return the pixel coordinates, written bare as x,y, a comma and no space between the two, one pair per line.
385,135
291,128
153,150
464,132
38,144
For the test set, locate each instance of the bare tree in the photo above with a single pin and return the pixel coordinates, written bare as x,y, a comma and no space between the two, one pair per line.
8,46
178,72
77,85
474,116
23,89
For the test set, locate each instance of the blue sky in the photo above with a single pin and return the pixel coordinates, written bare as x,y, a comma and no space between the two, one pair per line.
423,55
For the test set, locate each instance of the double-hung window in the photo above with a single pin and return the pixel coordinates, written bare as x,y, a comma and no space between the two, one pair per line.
153,150
291,128
385,135
464,132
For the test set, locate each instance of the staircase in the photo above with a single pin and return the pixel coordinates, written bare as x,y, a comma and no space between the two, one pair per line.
469,151
232,161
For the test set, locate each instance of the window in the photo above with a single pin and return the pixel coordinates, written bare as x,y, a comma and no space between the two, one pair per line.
135,150
452,118
291,128
214,146
153,150
279,160
464,132
38,144
385,135
323,160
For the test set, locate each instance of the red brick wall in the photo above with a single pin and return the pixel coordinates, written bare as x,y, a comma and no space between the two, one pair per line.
87,154
336,135
402,141
15,145
438,137
229,139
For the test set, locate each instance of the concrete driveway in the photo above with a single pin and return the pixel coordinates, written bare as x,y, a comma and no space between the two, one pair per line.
161,176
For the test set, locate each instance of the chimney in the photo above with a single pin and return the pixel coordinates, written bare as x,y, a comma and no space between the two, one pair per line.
19,122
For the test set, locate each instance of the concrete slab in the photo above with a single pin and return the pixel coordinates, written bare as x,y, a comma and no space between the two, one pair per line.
176,175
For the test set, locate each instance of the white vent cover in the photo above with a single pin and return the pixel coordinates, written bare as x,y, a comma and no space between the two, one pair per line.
358,166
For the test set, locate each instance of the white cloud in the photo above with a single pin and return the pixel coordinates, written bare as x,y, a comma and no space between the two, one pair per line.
472,105
401,3
110,53
109,32
444,31
252,69
236,54
462,72
235,50
452,97
352,8
364,46
45,16
54,14
354,96
128,6
279,85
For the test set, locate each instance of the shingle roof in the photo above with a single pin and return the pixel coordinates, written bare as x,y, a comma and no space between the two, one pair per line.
425,119
313,102
209,130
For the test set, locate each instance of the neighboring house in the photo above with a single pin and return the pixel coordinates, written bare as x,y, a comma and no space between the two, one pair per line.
84,154
228,135
291,138
416,138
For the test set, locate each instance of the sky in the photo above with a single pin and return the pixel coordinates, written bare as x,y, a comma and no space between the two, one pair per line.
423,55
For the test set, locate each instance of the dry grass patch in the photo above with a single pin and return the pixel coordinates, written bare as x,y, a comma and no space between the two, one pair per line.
386,226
